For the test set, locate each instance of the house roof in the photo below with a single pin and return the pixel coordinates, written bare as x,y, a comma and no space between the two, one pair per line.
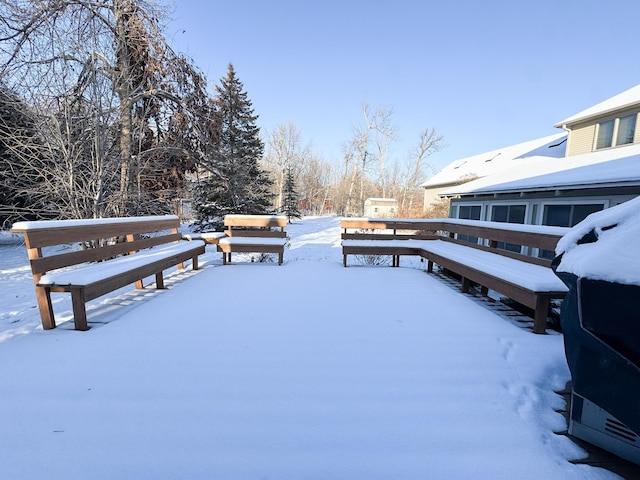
488,163
612,167
628,98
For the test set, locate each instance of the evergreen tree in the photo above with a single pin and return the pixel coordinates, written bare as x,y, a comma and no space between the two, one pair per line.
241,186
290,197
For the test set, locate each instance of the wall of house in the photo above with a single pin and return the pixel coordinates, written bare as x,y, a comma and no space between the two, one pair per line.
534,204
581,139
582,135
431,196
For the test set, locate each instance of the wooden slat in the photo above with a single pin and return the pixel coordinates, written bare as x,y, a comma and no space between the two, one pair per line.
505,253
107,285
58,235
255,221
235,232
229,248
387,236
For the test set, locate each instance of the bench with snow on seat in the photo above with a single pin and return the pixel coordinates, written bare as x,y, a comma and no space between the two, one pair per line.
253,234
114,253
502,257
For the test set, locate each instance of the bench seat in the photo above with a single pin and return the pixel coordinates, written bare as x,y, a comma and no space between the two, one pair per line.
92,273
527,275
252,241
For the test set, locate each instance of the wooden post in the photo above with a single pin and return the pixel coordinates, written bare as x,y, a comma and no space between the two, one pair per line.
79,309
541,313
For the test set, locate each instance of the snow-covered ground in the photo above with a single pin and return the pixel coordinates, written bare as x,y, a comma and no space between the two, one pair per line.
305,371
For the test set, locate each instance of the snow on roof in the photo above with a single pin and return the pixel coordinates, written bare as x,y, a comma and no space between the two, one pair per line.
607,167
625,99
615,255
481,165
380,200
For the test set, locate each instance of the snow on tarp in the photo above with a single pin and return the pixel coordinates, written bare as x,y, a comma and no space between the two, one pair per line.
615,255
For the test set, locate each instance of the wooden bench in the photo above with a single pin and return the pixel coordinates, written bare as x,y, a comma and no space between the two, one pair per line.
475,251
394,237
113,253
253,234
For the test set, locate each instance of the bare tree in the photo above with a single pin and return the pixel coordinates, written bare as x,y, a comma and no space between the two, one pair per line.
107,93
285,151
429,143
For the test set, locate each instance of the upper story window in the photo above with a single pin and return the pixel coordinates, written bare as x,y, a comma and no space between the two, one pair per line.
615,132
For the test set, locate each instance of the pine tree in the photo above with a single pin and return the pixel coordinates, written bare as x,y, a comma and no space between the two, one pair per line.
241,186
290,197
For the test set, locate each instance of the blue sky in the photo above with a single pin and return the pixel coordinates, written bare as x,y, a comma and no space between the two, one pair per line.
484,74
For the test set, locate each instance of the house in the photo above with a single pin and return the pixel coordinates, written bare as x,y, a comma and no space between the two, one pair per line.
599,167
380,207
485,164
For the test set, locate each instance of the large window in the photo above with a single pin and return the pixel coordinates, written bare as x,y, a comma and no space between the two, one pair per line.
618,131
469,212
510,214
626,129
566,216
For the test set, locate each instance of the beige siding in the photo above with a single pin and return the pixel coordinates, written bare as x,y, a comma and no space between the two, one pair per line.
431,196
581,139
582,136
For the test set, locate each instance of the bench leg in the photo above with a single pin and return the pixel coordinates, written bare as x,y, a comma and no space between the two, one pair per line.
159,280
43,295
79,309
344,260
194,263
466,285
280,258
429,266
541,313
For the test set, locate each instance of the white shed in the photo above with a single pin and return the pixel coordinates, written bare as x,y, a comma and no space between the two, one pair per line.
380,207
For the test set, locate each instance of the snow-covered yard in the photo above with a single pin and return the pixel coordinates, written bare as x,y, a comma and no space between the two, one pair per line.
304,371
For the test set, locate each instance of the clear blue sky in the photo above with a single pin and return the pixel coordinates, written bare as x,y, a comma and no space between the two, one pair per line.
484,74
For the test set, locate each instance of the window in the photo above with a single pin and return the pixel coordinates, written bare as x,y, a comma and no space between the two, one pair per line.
622,130
510,214
566,216
469,212
626,130
605,134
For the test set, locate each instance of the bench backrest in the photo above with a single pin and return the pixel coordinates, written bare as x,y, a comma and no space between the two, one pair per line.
267,221
388,229
107,237
478,234
527,240
255,226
